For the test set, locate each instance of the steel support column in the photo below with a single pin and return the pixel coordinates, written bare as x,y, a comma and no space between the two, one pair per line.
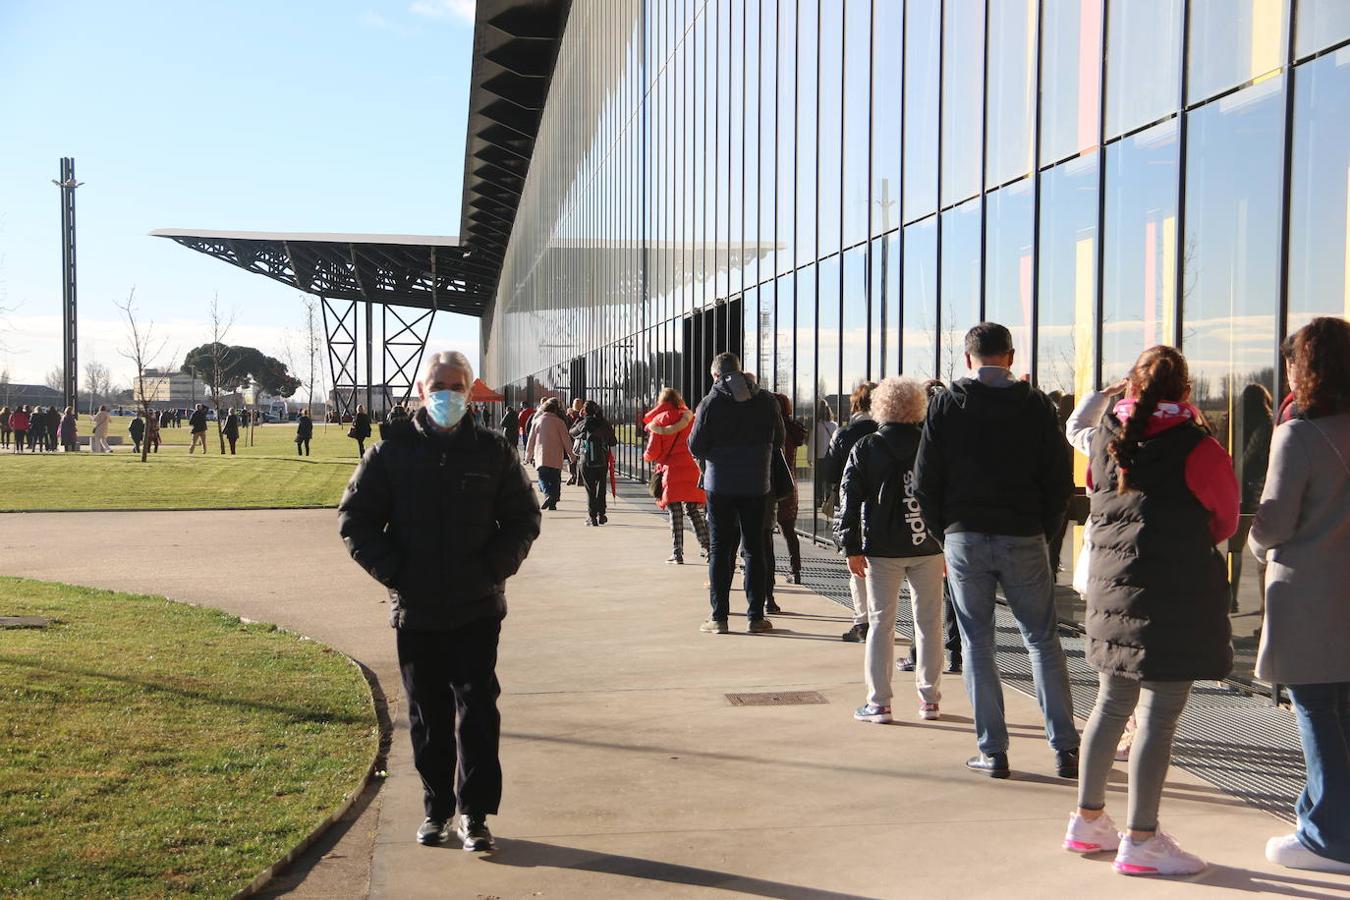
70,357
339,325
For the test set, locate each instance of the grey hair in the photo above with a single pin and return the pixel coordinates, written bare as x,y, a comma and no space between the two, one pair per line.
452,358
899,399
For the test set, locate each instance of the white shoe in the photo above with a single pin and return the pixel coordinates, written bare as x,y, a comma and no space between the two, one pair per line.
1084,836
1159,855
1287,850
929,712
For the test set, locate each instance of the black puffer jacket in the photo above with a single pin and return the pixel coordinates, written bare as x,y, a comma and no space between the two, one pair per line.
442,520
593,428
831,470
878,515
736,428
993,460
1157,598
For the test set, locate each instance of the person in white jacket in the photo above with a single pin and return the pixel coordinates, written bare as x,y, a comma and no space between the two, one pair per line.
99,442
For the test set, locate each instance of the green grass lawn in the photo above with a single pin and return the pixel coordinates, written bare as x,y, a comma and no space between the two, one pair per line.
268,473
149,748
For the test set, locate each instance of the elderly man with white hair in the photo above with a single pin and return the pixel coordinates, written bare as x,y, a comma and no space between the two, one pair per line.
442,513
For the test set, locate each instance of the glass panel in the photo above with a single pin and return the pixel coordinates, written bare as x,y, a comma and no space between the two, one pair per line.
1319,220
1139,249
1070,77
1232,42
830,129
786,216
857,56
769,134
855,329
1012,90
960,295
886,297
1009,239
1068,284
962,98
1321,24
919,318
804,395
784,316
887,81
828,334
921,108
807,132
1143,78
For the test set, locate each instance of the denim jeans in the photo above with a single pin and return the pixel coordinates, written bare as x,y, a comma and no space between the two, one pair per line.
977,564
550,482
1324,806
731,520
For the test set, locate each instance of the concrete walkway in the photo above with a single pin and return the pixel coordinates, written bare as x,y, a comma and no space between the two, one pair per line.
628,773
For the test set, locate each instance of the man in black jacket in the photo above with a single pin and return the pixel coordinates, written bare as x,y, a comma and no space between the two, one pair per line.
993,479
736,429
198,423
442,513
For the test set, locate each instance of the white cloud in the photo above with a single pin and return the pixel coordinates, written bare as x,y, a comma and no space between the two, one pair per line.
445,9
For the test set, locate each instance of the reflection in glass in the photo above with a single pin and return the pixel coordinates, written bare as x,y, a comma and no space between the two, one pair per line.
1143,76
1319,227
1321,24
1012,90
786,80
887,80
830,129
919,316
854,337
921,108
807,132
1232,42
766,195
1139,250
828,339
1070,77
962,98
804,397
886,300
960,286
857,54
1009,239
1067,303
785,310
1232,252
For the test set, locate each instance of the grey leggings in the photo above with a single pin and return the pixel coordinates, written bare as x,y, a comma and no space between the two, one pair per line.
1160,704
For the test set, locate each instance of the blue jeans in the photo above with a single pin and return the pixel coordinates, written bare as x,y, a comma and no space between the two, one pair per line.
1324,806
550,482
732,520
976,565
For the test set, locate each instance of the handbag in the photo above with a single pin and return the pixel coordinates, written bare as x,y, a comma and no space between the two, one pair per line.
781,480
657,486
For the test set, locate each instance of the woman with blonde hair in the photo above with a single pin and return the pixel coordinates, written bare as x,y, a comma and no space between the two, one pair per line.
888,543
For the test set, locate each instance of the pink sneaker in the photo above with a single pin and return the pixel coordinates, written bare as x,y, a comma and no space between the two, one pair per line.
1084,836
1159,855
929,711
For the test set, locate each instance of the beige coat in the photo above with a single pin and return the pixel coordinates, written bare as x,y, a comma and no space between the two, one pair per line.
549,434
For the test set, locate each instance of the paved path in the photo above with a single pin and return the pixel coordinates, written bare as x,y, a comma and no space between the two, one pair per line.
627,771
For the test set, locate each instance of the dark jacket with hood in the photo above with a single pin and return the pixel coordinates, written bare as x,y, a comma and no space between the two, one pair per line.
878,515
993,460
441,519
859,425
198,421
231,427
736,428
593,428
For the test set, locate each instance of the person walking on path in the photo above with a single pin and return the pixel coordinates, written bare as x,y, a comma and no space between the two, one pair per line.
5,429
993,479
736,429
37,430
441,513
197,422
594,436
526,415
152,432
304,431
887,543
831,468
99,443
1162,494
574,414
667,450
785,511
231,429
18,421
70,438
549,435
510,425
136,429
360,430
1302,531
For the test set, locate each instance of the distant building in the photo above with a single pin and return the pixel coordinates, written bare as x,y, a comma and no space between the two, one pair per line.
164,387
13,395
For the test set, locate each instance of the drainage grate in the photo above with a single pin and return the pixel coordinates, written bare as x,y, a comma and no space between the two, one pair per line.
776,698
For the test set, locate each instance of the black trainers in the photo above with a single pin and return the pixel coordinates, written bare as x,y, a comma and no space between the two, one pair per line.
953,666
771,607
604,519
432,832
1066,763
857,634
995,765
473,831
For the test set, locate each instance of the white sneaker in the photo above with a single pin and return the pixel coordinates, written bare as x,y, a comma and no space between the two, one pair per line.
1159,855
871,712
1084,836
1287,850
929,712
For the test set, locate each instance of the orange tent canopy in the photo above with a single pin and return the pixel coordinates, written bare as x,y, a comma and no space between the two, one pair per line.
481,393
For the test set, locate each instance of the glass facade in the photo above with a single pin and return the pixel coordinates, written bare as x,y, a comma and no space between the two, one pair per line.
838,189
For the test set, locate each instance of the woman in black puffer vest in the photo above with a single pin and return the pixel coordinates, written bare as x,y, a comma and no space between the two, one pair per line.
1163,494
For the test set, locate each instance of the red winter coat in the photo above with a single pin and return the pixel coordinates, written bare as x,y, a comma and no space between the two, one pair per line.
668,447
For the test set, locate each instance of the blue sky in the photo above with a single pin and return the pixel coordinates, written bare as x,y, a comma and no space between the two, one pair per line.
263,115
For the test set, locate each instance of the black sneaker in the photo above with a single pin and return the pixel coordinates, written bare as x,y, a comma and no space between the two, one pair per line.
953,667
473,831
1066,763
604,519
771,607
995,765
432,832
856,635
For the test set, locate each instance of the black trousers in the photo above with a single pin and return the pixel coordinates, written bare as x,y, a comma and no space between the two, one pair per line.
594,477
450,683
299,443
731,522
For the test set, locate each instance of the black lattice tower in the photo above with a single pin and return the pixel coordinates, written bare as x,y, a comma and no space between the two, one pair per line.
70,366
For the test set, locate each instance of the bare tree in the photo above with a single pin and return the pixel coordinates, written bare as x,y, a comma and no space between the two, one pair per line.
143,350
5,390
97,383
222,361
55,379
313,344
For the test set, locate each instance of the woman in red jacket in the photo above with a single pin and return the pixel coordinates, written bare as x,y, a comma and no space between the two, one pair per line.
18,421
668,451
